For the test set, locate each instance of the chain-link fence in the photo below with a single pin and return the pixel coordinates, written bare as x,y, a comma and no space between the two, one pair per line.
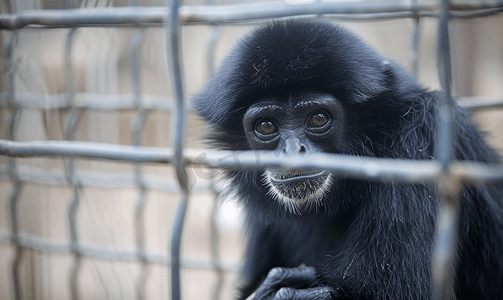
63,158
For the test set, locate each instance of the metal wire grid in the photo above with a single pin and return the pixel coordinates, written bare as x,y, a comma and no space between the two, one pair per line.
443,171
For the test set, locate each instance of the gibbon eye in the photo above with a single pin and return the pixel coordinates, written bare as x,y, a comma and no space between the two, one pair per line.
318,120
266,127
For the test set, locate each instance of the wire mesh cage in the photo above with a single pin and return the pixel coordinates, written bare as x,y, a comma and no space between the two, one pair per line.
101,152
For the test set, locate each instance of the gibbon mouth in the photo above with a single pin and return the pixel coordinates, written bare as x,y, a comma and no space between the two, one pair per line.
298,189
295,176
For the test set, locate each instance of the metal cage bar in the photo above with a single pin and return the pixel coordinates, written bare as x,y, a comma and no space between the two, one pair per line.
211,43
447,187
71,123
95,101
179,163
448,174
137,126
356,167
232,13
414,47
17,184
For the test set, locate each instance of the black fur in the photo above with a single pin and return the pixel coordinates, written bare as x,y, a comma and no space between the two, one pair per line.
370,240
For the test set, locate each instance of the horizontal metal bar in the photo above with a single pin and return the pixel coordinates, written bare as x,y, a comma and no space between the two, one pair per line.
414,14
84,17
213,14
40,244
86,150
151,102
86,100
479,103
97,179
253,11
348,165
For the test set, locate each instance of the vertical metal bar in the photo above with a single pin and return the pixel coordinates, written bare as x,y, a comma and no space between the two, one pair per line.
211,43
140,240
136,136
215,238
319,15
69,74
443,261
214,231
12,6
73,205
15,113
14,198
414,51
446,105
71,123
176,70
68,4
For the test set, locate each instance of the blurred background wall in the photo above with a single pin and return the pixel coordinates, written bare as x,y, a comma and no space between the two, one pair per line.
101,59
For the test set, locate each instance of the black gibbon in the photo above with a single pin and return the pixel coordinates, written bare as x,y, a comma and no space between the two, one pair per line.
301,87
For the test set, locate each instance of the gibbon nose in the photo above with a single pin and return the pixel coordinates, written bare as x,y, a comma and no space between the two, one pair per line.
294,146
